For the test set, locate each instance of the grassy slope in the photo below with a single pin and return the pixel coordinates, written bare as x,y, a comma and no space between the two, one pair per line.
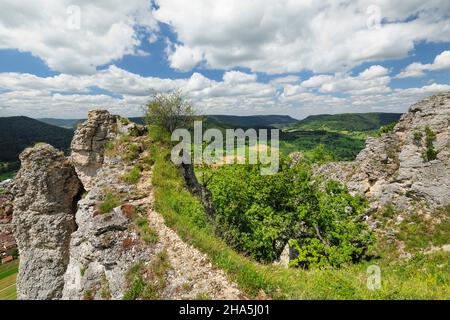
423,277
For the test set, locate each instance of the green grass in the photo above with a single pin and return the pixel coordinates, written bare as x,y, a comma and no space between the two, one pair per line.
424,277
8,266
418,233
110,201
8,288
146,233
7,175
123,147
146,283
8,274
133,176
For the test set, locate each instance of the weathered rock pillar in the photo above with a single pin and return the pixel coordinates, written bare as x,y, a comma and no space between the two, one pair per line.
45,194
88,144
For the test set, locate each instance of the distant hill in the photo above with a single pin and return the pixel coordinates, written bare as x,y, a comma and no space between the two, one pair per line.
220,121
64,123
18,133
251,121
347,121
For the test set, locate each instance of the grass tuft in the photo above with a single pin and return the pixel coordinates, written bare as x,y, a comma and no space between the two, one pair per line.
110,201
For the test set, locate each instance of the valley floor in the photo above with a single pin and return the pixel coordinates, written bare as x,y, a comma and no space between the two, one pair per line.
8,274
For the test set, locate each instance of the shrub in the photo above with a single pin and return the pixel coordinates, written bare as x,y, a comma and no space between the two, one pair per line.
124,121
387,128
258,214
430,153
169,111
417,137
319,155
132,152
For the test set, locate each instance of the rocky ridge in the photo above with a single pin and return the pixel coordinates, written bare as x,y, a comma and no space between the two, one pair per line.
93,216
394,169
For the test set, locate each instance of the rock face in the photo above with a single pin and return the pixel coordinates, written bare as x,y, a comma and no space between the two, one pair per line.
105,244
89,142
394,169
69,249
85,239
45,194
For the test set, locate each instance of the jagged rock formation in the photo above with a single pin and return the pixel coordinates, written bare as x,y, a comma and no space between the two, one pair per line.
90,139
105,244
88,144
45,193
74,246
395,169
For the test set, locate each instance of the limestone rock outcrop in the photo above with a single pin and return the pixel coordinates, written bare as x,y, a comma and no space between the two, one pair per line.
106,244
45,193
94,236
89,142
394,169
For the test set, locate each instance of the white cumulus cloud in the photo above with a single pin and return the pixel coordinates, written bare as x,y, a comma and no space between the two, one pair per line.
286,36
441,62
75,36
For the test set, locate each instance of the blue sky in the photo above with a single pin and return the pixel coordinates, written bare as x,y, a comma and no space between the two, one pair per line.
228,57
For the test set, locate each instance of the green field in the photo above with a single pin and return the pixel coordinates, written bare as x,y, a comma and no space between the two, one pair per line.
8,274
7,175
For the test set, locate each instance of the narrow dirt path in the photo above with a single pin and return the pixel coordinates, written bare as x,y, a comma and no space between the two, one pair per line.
192,275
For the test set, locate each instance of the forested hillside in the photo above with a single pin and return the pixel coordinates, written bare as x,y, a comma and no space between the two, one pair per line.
347,121
18,133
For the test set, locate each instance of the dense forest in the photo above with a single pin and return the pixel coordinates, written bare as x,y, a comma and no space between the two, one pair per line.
18,133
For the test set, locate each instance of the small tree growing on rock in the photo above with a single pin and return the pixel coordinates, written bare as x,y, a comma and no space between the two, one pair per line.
169,111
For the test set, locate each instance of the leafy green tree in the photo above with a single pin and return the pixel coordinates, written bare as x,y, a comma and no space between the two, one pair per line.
389,128
333,233
169,111
320,154
259,214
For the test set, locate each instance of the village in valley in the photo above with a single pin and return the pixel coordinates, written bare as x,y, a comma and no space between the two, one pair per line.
8,247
